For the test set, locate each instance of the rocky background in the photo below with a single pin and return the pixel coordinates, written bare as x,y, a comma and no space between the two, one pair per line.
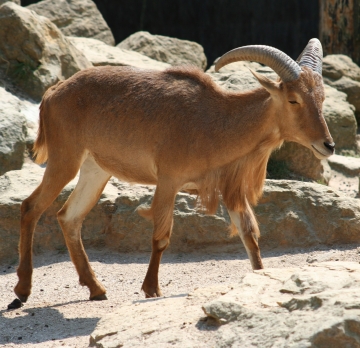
49,41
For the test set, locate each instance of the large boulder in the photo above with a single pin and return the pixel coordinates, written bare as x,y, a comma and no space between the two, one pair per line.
336,66
76,18
99,53
291,214
313,306
166,49
301,160
351,88
33,52
301,214
236,67
18,2
13,132
340,117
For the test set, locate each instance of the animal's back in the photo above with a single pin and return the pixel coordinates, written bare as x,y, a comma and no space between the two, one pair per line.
126,117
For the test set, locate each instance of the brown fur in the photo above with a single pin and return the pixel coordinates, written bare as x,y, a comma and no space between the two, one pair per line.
172,129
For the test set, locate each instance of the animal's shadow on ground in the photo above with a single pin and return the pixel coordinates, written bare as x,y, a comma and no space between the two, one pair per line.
39,329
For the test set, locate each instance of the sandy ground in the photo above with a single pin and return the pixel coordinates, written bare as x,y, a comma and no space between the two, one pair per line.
58,313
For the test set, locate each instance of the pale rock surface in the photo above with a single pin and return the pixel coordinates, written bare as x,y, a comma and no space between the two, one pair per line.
312,306
290,213
166,49
18,125
18,2
337,65
350,87
75,18
33,51
302,161
236,67
294,213
99,54
340,117
347,165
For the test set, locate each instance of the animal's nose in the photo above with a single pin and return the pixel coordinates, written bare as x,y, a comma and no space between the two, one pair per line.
330,146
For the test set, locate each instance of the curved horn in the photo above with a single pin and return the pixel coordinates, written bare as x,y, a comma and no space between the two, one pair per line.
277,60
312,56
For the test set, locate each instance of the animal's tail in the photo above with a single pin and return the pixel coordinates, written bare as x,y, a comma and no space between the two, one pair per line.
40,146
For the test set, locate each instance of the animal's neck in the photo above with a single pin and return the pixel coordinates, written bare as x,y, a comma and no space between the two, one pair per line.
253,123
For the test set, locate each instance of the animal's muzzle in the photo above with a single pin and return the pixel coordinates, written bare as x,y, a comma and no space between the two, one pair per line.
330,146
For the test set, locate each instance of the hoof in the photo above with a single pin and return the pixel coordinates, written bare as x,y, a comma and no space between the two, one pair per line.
98,298
22,298
156,294
15,304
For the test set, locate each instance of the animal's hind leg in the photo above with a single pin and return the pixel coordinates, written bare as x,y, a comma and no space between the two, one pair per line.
161,212
86,193
54,180
248,230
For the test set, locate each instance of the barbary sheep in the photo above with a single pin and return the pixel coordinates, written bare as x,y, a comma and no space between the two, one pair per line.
175,129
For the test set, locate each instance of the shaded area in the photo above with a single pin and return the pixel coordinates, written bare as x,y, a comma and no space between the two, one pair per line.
47,324
218,25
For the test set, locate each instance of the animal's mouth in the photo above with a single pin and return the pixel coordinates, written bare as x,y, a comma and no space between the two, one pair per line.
323,156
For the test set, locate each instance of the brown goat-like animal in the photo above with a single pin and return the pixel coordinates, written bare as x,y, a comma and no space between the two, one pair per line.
177,130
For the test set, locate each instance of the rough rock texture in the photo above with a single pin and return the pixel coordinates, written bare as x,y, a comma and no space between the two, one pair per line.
343,74
33,52
295,213
313,306
15,128
236,67
347,165
76,18
99,53
340,117
166,49
15,1
350,87
337,65
291,214
302,161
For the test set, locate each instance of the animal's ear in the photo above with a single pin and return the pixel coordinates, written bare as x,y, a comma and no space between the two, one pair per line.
270,85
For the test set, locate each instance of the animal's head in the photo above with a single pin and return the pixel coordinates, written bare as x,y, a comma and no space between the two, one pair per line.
299,93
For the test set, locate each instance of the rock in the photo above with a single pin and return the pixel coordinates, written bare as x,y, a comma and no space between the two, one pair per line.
166,49
236,67
75,18
337,65
351,88
99,53
17,2
13,131
301,214
33,52
311,306
301,307
302,161
346,165
291,214
339,115
113,222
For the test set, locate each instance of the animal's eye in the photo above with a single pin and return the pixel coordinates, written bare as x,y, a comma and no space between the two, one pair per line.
293,102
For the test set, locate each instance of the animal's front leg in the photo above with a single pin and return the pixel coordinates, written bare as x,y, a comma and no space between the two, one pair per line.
161,212
248,230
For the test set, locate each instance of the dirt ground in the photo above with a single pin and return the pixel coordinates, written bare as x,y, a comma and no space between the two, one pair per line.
58,313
